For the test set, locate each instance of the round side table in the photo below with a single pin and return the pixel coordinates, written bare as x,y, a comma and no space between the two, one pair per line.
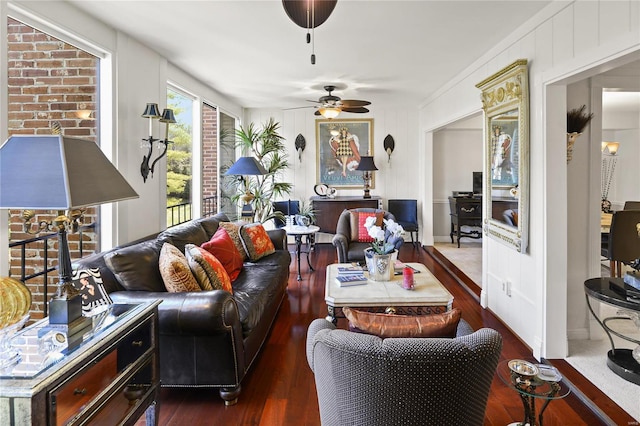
545,387
298,232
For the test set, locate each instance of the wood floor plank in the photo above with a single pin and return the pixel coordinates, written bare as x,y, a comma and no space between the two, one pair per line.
280,388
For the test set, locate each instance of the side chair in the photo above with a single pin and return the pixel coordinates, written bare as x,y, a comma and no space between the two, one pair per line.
406,213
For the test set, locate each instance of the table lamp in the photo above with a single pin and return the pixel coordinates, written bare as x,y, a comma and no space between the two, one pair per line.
367,166
53,172
246,166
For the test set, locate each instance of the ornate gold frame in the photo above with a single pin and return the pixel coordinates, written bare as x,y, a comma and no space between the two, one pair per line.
505,101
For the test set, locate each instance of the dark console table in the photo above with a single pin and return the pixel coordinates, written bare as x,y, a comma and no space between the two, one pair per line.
612,291
328,209
465,211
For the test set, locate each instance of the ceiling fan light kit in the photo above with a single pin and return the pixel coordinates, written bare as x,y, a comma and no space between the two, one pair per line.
309,14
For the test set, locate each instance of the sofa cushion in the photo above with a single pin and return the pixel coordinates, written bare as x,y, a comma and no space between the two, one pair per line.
94,297
256,241
136,266
387,325
223,248
207,269
175,270
356,221
186,233
233,229
210,224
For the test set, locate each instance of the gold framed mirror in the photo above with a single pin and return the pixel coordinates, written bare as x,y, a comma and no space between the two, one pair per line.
505,101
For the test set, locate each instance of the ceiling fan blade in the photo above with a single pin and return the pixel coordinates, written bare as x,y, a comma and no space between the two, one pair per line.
300,107
354,103
355,109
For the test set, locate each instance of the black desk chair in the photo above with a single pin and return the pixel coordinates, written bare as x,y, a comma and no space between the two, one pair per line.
623,243
406,214
290,207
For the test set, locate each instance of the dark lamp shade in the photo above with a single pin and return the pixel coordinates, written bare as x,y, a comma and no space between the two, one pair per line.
168,116
57,173
366,164
246,166
151,111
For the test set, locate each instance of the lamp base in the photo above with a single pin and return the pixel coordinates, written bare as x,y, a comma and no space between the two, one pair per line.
65,310
367,194
247,212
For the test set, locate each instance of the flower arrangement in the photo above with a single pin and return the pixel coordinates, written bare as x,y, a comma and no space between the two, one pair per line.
384,238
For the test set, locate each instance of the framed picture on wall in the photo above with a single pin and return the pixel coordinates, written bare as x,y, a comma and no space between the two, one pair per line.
339,146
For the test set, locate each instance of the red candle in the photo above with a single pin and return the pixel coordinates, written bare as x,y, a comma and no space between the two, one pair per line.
407,278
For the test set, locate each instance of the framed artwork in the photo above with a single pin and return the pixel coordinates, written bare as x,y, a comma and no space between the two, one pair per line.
339,146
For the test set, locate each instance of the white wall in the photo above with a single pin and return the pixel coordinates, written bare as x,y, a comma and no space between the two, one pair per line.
456,155
560,42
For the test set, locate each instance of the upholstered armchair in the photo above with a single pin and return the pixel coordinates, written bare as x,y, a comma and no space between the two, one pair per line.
362,379
345,240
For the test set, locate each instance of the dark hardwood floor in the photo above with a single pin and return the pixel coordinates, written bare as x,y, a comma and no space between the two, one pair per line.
280,390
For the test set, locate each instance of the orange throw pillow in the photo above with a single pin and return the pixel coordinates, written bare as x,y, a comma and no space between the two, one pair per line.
218,276
386,325
256,241
233,229
224,249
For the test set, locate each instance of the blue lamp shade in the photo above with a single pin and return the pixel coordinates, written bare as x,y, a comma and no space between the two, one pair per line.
55,172
366,164
246,166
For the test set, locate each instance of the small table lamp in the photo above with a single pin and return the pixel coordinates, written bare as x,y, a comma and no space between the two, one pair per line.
246,166
367,166
53,172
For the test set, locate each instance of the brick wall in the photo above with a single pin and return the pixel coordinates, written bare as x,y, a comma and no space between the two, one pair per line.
49,81
209,151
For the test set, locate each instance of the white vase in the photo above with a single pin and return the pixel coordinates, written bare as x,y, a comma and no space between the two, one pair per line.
380,266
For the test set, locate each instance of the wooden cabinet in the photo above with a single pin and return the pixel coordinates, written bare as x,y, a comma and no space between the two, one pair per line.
328,209
111,378
465,211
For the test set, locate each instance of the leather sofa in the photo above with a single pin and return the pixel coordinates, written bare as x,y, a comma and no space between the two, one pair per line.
207,338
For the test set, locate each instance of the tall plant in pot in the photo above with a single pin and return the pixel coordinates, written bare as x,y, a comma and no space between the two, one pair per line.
267,146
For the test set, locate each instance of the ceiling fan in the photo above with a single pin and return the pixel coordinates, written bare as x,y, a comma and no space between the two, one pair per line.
330,106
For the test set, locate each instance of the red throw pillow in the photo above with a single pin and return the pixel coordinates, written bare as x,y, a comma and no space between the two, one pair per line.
358,232
256,241
222,247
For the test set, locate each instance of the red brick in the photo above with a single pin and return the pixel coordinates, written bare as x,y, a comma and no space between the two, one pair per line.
21,82
35,90
33,55
63,54
33,72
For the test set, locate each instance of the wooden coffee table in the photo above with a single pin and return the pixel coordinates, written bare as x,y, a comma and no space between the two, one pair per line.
428,297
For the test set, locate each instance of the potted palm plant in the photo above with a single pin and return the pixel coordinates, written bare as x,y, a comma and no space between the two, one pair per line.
267,146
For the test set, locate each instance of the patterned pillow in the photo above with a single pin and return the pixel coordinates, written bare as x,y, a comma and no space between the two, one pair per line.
386,325
95,298
256,241
233,229
209,272
224,249
175,270
358,231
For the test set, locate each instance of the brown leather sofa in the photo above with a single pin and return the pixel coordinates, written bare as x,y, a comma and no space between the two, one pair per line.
208,338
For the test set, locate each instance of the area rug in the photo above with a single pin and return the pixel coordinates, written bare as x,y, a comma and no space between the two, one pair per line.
468,258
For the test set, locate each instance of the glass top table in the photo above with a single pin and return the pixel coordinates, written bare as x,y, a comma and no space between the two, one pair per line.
542,382
34,349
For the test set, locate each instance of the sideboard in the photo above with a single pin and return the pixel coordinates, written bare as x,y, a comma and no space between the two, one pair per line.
328,209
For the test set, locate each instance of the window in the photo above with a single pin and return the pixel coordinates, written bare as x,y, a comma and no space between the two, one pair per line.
179,158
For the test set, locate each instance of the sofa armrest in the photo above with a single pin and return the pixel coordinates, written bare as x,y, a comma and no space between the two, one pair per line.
342,247
279,238
200,313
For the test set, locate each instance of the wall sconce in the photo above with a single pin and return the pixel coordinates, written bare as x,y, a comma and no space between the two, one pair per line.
301,144
389,145
367,166
152,112
609,160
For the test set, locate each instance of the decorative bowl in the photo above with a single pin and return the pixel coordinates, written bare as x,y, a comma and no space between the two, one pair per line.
523,368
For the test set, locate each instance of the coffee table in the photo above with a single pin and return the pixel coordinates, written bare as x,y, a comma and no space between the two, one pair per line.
428,297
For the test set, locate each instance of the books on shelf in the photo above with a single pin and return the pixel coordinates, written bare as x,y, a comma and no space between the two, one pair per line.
348,280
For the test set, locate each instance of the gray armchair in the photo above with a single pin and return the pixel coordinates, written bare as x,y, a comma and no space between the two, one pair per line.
349,250
365,380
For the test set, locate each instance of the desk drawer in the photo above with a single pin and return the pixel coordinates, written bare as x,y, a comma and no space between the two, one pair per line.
69,399
469,211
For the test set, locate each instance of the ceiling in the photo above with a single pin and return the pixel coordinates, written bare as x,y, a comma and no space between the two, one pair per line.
388,52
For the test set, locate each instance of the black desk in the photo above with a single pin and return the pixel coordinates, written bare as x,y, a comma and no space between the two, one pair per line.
620,361
465,211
